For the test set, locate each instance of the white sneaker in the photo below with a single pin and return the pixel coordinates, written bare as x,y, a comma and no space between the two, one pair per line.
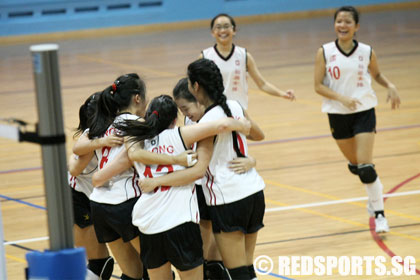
381,224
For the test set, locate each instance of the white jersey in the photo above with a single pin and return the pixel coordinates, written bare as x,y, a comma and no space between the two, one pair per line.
348,74
83,182
188,121
221,185
166,207
234,72
125,185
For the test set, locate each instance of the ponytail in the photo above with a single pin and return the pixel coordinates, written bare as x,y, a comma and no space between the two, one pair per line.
113,100
206,73
86,111
160,114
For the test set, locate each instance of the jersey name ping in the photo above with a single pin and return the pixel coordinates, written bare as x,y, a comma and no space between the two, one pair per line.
221,185
348,75
166,207
123,186
234,72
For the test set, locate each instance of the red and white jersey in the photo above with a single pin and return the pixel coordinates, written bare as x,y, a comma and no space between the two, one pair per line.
348,74
188,121
221,185
166,207
125,185
83,182
234,72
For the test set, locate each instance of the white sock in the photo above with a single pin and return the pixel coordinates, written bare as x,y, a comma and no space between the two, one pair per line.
375,195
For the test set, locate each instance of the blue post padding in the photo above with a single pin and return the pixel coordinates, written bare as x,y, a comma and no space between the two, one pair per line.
69,264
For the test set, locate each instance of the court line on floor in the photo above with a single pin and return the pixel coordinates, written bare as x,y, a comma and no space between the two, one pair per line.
331,197
341,201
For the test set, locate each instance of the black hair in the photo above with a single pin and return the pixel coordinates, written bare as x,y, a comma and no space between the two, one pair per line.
86,111
206,73
181,91
232,21
354,12
113,100
160,114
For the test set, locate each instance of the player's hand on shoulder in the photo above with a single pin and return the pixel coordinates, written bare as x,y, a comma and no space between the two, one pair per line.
113,140
393,97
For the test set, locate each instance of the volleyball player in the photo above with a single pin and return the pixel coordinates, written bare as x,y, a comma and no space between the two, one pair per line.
236,200
193,111
234,62
343,72
81,168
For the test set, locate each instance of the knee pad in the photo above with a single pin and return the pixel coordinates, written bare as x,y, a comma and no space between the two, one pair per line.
367,173
353,168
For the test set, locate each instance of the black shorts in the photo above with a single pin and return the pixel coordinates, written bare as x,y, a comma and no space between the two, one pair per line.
112,222
81,209
244,215
348,125
202,206
181,246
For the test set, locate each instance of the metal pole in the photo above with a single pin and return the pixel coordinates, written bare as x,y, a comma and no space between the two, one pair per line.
3,274
59,205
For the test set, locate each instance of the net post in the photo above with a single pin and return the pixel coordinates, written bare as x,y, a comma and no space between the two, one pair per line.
58,195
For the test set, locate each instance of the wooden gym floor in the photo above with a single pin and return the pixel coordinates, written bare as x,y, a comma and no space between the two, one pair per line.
313,205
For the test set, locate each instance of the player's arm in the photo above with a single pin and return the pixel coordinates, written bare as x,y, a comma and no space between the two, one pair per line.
256,133
263,84
77,163
136,153
118,165
85,145
196,132
383,81
321,89
186,176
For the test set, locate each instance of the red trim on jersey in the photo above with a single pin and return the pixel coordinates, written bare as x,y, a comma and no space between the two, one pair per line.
134,183
241,144
210,176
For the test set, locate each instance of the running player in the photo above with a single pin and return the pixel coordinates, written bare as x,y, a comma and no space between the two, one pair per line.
234,62
236,200
343,72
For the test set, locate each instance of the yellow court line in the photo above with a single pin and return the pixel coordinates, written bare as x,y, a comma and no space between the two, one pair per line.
15,258
343,220
358,204
123,65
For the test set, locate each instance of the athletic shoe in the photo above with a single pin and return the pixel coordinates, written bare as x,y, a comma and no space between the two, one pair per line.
381,224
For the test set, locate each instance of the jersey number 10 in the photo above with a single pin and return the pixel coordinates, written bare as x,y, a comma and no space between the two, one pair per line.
335,72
